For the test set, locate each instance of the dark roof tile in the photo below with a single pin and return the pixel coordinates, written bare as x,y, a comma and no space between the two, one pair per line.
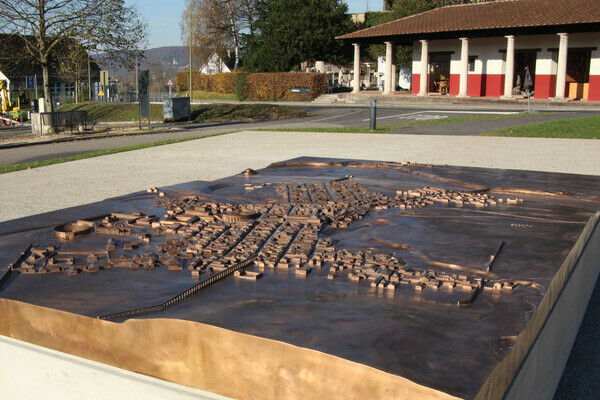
490,15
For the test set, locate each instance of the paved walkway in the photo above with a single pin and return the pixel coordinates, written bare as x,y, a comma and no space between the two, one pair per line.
59,186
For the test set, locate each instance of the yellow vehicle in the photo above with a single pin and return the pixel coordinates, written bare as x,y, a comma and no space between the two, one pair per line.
11,112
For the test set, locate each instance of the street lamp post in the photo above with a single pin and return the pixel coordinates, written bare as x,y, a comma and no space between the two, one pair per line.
190,33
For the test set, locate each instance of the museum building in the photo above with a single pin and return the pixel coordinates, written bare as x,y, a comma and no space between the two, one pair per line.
497,49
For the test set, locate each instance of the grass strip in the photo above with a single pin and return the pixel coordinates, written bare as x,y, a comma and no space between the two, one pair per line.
128,112
43,163
577,128
394,127
203,95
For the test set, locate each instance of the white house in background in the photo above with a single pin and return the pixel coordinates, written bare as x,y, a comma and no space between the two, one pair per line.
214,65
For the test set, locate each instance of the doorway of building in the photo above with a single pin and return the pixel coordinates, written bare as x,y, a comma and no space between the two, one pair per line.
578,73
439,72
524,59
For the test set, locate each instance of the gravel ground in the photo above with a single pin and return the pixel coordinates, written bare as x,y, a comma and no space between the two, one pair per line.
59,186
64,185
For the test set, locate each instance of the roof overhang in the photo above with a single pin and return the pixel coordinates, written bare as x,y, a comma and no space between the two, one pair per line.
409,39
486,19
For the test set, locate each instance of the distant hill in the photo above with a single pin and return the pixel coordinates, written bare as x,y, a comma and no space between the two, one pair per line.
172,59
173,55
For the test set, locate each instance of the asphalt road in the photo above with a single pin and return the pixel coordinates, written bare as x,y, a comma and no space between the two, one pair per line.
323,116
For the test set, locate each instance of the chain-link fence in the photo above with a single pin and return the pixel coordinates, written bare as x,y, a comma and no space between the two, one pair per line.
121,97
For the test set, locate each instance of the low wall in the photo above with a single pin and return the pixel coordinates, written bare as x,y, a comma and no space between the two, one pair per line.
533,368
35,372
206,357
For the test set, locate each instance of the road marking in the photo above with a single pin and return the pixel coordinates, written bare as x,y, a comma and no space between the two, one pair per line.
476,112
404,116
397,116
424,117
338,116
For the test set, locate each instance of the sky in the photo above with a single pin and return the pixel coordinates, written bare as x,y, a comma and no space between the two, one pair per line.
163,18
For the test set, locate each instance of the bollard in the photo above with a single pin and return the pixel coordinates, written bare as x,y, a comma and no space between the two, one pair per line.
373,114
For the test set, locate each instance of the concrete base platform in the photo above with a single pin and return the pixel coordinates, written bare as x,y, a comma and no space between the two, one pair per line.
36,372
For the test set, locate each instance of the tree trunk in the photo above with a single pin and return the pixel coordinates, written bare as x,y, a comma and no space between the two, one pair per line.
234,33
47,93
77,84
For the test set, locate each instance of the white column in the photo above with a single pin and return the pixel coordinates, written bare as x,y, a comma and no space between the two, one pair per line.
509,71
424,67
356,85
464,67
387,88
561,72
394,78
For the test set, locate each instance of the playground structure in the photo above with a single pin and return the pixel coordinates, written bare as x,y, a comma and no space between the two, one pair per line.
12,112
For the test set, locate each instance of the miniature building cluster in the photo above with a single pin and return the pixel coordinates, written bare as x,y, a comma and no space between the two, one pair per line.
207,238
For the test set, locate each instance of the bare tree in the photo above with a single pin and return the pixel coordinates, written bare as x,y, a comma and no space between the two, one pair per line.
108,25
216,26
72,64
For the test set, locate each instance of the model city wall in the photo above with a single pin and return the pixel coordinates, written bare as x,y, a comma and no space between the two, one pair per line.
257,86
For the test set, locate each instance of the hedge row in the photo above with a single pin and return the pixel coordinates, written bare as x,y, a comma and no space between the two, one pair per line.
258,86
219,83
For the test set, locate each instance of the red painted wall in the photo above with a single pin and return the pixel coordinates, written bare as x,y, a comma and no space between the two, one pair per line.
454,84
416,82
475,85
545,86
594,88
494,85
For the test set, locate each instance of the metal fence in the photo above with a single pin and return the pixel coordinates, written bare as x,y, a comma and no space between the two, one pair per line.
132,97
181,296
65,119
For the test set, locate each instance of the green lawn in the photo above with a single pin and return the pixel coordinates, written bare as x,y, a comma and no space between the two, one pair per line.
394,127
578,128
126,112
43,163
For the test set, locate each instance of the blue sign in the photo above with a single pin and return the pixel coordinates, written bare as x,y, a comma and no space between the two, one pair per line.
300,90
31,82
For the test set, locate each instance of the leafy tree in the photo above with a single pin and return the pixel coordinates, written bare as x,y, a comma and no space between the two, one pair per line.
400,9
109,26
288,32
404,8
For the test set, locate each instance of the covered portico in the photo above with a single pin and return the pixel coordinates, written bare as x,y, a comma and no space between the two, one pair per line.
496,49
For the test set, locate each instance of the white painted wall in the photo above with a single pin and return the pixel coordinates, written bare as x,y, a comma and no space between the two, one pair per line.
595,62
30,372
489,59
416,69
546,64
588,40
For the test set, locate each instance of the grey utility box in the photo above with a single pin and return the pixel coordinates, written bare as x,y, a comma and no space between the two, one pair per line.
177,108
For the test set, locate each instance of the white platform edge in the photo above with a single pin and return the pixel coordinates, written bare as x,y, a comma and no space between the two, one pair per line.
32,372
541,371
